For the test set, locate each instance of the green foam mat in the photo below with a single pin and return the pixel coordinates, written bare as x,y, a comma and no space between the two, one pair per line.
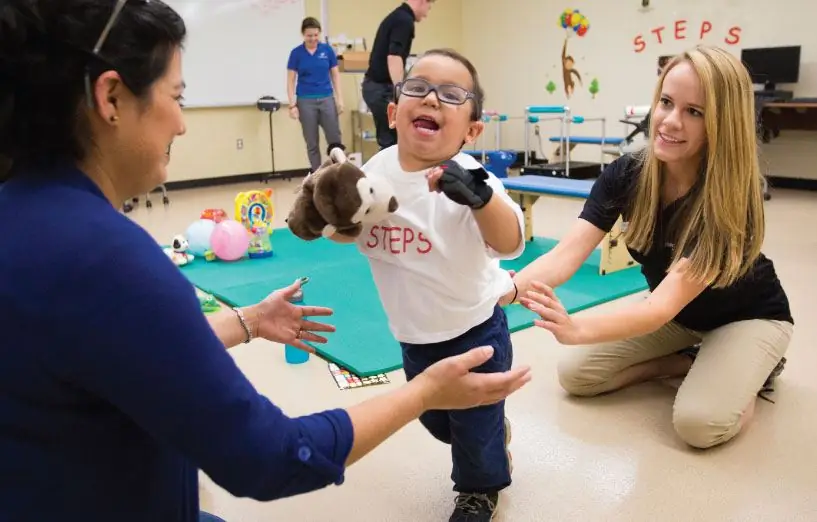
340,279
587,288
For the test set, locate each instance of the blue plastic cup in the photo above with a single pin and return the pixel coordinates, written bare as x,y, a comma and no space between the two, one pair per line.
295,355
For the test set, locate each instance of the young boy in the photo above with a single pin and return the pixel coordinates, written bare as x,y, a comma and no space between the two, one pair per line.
436,261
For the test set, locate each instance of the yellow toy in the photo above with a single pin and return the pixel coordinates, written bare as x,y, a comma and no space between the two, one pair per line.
254,206
254,210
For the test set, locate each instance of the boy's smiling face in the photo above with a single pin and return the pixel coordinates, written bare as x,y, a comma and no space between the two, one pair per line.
430,131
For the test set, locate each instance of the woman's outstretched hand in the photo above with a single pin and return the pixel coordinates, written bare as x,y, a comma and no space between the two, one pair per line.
542,301
281,321
450,384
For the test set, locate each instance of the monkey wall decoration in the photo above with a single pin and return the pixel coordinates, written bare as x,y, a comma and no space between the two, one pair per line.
568,71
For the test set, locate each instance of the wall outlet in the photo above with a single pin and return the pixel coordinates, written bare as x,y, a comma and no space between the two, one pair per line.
239,144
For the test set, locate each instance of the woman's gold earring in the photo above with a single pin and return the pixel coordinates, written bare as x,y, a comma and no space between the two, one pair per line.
114,118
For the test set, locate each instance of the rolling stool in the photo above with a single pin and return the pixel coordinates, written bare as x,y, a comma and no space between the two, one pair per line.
165,199
128,205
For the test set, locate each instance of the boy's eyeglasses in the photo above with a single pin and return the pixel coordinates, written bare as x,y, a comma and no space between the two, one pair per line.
446,93
120,4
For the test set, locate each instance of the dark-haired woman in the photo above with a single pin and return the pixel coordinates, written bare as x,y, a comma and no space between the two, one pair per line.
114,387
313,88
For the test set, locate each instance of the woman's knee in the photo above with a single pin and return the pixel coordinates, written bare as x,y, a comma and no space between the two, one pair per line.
577,376
704,425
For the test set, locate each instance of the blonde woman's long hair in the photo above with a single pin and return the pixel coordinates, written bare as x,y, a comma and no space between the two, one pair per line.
721,226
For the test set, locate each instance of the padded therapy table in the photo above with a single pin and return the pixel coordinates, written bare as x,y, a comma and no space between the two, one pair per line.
588,140
527,189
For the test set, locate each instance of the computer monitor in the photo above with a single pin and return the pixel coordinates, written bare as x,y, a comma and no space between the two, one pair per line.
772,65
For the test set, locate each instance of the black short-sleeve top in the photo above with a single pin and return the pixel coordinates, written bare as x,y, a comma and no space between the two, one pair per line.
757,295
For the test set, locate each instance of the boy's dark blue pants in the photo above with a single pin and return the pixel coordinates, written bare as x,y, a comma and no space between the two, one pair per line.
477,435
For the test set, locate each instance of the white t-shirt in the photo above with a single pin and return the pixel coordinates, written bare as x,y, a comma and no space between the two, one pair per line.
436,276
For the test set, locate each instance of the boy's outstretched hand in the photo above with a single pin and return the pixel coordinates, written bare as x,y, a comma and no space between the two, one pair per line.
463,186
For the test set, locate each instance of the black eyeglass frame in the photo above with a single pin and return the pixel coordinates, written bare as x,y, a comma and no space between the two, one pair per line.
469,95
398,90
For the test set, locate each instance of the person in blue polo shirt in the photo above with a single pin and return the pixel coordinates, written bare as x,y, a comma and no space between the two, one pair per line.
313,88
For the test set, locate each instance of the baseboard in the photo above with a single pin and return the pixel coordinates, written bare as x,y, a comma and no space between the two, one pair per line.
793,183
259,177
775,182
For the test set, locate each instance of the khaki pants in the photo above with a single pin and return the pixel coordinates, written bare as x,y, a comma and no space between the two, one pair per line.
733,363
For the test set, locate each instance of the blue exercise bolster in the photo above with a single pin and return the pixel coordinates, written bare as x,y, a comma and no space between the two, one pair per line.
590,140
547,109
577,188
496,161
573,119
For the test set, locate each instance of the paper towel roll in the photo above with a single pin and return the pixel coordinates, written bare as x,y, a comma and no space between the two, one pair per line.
636,111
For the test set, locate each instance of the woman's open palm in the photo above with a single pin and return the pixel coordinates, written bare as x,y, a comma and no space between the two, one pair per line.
542,301
450,384
281,321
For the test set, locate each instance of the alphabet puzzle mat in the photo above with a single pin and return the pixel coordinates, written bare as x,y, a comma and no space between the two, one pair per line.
347,380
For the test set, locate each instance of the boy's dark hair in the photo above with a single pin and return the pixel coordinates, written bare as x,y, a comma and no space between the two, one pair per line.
310,23
479,95
46,47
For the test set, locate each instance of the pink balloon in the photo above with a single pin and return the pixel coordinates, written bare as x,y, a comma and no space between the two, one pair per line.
229,240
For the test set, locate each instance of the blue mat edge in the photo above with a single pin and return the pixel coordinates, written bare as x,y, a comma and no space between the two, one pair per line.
318,351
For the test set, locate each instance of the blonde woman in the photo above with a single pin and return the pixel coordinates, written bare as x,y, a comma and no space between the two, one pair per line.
693,204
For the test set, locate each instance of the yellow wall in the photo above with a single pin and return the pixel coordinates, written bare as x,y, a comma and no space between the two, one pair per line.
209,150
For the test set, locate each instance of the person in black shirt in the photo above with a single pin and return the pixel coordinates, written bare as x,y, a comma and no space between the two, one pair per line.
691,203
387,63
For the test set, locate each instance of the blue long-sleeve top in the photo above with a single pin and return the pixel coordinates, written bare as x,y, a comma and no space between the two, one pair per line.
114,390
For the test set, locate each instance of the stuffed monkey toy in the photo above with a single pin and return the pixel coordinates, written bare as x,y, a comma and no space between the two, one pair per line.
339,198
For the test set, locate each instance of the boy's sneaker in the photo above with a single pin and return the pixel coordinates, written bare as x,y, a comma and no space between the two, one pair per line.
481,507
768,386
475,507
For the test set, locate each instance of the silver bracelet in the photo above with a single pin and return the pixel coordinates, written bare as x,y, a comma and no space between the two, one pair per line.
243,322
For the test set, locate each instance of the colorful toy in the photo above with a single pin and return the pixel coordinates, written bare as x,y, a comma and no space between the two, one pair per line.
208,302
260,244
255,207
229,240
177,251
198,236
338,197
214,214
